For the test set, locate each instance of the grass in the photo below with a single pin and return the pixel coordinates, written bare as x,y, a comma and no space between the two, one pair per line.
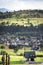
20,59
22,21
17,59
39,52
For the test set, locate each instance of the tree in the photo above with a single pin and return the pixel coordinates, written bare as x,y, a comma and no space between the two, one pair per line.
28,21
3,23
31,24
7,23
41,45
16,49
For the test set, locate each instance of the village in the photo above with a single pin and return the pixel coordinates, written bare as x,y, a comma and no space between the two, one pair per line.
32,42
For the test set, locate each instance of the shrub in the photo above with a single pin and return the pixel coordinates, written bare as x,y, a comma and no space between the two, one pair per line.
3,52
16,49
11,46
21,54
2,47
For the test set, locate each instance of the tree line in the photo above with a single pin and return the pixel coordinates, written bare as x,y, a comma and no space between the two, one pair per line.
4,15
29,13
13,29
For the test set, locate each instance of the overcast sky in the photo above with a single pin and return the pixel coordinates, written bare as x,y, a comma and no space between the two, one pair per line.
21,4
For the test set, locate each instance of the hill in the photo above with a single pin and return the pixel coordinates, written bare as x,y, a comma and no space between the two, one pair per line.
3,10
22,17
21,21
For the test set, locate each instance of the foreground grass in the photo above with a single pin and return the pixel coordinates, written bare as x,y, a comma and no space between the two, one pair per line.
14,59
20,60
17,60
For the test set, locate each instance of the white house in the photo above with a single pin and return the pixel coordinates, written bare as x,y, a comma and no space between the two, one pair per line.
26,43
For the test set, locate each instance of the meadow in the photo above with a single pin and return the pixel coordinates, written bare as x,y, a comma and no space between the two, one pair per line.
23,21
15,58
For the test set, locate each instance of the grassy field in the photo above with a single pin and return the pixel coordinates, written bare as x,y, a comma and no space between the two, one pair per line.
14,59
22,21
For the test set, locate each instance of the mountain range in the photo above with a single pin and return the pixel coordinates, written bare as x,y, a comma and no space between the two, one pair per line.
3,10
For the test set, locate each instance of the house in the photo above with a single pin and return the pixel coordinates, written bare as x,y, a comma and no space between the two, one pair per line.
34,47
27,43
7,43
33,39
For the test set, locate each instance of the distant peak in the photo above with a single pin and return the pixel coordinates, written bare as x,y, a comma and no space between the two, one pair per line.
3,10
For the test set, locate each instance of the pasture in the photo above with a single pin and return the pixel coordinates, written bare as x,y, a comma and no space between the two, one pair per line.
22,21
15,58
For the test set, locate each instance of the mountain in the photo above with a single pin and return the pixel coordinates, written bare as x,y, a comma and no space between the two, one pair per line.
3,10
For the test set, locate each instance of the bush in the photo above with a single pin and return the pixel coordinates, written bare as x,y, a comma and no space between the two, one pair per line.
3,52
2,47
16,49
11,46
21,54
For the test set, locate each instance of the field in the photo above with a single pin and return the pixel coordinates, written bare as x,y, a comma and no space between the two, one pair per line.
22,21
15,59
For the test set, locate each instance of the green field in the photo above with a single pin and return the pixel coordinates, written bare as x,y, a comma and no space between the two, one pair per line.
22,21
14,59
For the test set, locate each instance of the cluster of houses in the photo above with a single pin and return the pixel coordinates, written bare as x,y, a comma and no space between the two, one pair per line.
14,41
21,41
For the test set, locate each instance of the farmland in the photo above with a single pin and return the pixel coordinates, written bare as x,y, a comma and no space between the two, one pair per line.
15,59
23,17
22,21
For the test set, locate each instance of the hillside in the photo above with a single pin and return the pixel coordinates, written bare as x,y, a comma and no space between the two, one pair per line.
22,17
21,21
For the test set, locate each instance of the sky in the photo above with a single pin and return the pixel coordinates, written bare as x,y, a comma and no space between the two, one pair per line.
21,4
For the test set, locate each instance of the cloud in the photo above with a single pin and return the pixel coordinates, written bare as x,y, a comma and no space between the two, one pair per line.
21,4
